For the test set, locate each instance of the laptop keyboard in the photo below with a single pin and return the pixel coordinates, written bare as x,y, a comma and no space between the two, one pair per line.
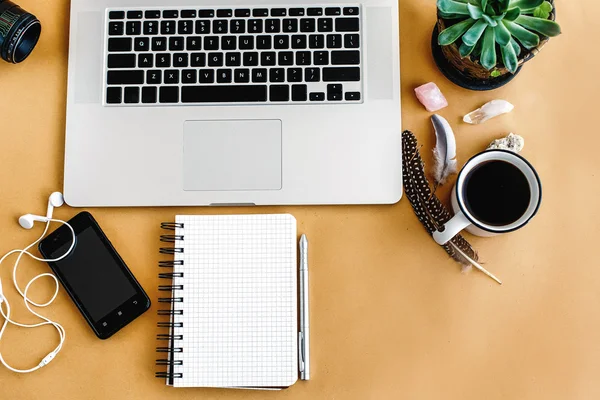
290,55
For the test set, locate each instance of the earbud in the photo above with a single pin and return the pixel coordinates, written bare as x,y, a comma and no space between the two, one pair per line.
55,200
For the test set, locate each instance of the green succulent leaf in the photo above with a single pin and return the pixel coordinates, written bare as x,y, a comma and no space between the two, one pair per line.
503,36
528,39
451,34
474,11
525,4
484,4
512,14
488,52
490,21
452,7
545,27
544,10
472,36
499,18
516,46
509,58
451,16
477,50
465,50
503,5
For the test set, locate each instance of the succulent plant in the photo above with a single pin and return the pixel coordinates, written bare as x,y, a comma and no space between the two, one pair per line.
496,29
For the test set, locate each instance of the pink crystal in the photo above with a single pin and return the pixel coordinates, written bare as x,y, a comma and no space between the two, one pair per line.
431,97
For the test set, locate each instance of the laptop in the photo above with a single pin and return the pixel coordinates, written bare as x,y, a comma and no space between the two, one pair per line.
197,103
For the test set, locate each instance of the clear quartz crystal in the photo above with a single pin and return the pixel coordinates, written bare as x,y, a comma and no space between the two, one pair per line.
488,111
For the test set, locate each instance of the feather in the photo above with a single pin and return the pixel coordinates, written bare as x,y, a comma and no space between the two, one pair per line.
444,154
427,207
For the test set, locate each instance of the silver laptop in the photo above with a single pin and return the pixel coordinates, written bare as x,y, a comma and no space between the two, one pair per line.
184,103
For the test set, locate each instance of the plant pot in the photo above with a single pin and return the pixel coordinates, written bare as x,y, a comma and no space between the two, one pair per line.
468,72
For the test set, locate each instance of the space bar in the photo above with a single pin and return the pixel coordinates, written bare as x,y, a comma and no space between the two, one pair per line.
224,94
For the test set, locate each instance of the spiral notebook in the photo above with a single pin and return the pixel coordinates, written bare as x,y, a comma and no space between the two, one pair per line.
233,302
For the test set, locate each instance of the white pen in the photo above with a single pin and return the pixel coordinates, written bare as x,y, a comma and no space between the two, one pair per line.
304,335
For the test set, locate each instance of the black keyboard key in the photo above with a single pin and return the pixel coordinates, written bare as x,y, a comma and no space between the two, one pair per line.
294,75
215,59
132,95
163,60
259,75
224,76
150,27
325,25
351,41
278,12
260,12
303,58
188,14
312,75
345,57
299,93
241,76
119,44
149,94
146,60
206,76
334,92
263,43
198,59
185,27
282,42
116,15
228,43
224,94
316,41
121,61
286,58
168,27
189,76
255,26
267,58
297,12
307,25
193,43
251,59
114,95
273,26
314,11
203,27
277,75
321,58
176,43
279,93
220,26
319,96
238,26
241,13
131,77
352,96
206,13
154,77
333,11
340,74
211,43
135,15
152,14
171,76
347,24
299,41
115,28
159,44
169,94
334,41
246,42
180,60
170,14
350,10
141,44
233,59
290,25
224,13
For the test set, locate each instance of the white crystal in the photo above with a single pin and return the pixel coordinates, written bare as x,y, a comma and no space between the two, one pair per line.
488,111
512,142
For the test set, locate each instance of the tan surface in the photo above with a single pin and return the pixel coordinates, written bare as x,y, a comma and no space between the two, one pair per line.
392,317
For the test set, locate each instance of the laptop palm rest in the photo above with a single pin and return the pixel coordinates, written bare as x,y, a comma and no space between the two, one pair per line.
232,155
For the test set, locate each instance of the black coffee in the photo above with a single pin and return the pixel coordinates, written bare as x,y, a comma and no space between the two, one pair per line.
497,193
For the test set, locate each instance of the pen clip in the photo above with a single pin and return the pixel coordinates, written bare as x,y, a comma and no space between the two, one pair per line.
301,352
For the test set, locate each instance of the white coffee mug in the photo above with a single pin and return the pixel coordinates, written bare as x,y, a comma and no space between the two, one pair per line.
465,220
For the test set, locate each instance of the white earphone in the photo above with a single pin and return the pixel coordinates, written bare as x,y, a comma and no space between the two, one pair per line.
27,221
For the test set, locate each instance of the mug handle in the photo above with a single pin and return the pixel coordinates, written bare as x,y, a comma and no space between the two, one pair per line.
451,229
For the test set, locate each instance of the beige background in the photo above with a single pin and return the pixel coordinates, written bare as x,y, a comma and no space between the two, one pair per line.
392,316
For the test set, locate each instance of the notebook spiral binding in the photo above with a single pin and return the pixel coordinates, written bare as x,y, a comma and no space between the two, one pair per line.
175,298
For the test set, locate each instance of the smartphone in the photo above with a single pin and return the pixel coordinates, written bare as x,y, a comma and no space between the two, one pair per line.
95,276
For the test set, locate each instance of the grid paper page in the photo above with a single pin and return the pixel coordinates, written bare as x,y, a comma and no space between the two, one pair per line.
240,308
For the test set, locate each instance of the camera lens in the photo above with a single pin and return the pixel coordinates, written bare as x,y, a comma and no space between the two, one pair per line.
19,32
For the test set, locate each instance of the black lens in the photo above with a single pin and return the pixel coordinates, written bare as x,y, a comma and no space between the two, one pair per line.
19,32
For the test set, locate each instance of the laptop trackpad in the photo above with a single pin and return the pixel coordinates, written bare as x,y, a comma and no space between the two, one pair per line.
232,155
